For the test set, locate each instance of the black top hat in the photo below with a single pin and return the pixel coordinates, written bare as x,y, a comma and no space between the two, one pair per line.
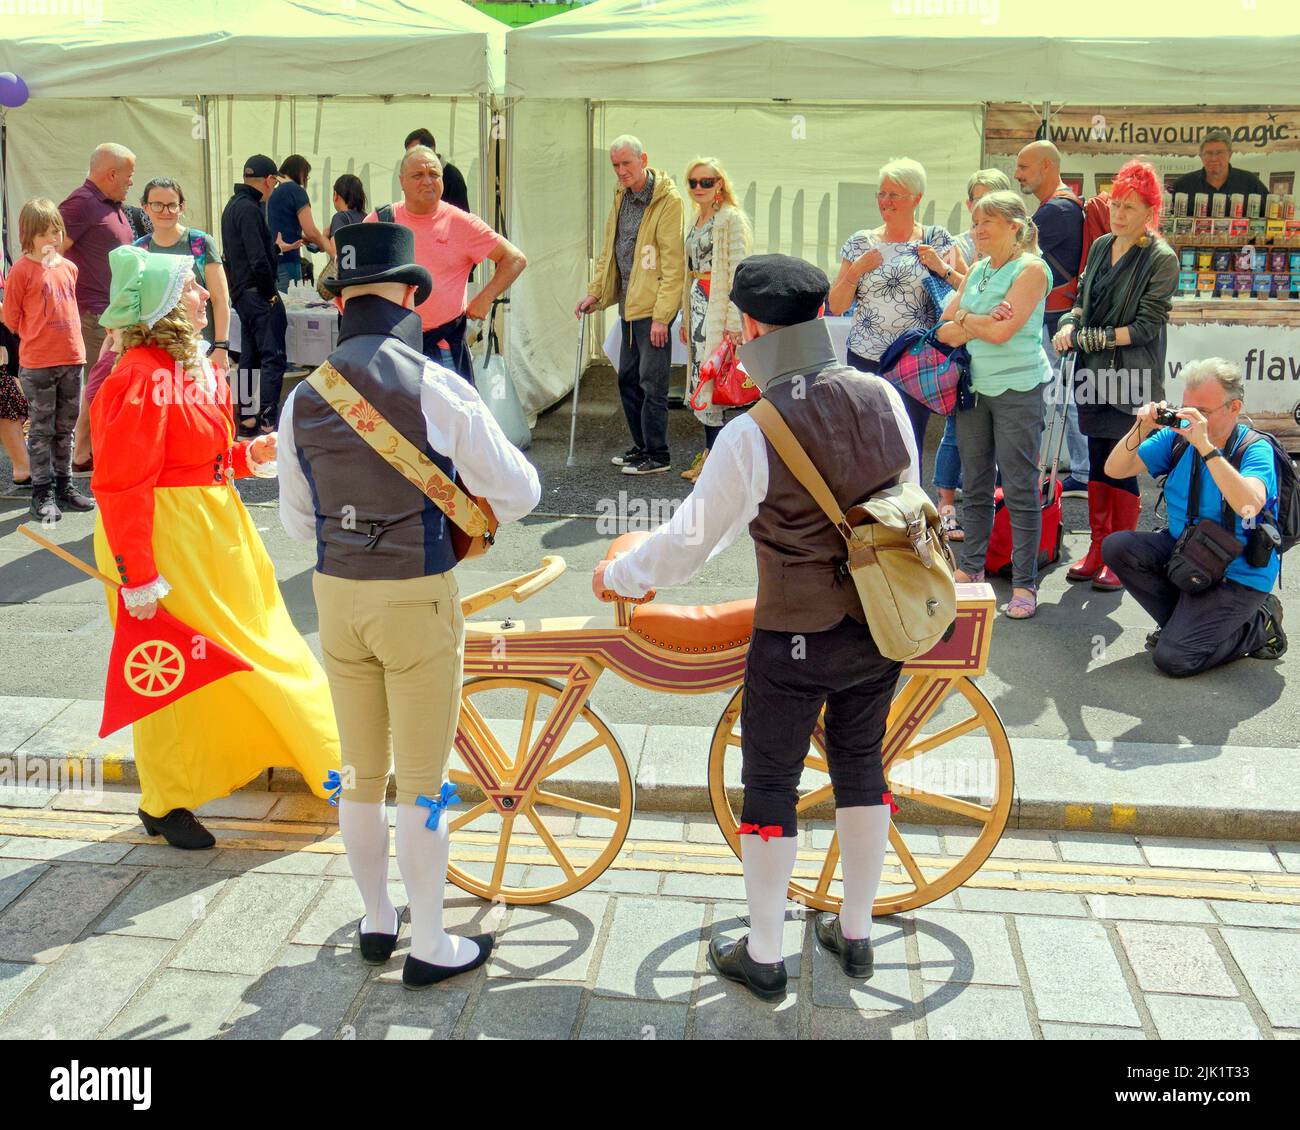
376,253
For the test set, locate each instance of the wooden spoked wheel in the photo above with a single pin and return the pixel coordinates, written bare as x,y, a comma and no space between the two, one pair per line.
559,834
960,772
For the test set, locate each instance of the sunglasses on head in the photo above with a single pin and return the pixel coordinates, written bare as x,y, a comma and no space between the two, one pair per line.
703,182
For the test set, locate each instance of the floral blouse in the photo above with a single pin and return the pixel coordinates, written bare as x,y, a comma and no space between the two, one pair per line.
892,298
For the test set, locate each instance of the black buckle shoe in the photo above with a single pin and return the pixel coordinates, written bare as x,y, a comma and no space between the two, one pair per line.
766,980
377,947
854,954
1275,646
180,828
417,974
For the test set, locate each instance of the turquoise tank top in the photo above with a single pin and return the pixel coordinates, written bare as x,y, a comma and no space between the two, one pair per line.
1017,365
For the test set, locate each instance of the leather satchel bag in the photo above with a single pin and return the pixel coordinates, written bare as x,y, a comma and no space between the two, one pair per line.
473,526
897,557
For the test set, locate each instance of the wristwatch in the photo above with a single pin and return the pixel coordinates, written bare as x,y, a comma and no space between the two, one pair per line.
221,345
1213,453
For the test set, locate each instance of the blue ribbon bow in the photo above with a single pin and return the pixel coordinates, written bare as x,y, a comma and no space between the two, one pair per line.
447,797
333,781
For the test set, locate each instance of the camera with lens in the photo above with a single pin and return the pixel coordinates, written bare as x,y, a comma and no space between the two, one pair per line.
1169,418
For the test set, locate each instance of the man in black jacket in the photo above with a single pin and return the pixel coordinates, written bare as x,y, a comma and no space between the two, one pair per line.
250,258
454,190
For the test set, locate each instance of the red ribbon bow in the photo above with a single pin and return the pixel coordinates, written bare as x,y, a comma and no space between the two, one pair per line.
888,798
763,830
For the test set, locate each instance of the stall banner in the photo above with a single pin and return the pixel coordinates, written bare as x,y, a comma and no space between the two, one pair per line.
1269,357
1126,130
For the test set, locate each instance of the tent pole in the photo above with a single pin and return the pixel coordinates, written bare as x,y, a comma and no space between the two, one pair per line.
485,194
591,138
4,190
591,198
207,159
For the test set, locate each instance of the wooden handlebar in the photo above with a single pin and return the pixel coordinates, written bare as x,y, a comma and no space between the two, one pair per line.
551,568
521,588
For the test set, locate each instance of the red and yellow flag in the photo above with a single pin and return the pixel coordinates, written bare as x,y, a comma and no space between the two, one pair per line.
156,661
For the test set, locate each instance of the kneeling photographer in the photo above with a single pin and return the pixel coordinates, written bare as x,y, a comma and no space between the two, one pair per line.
1208,579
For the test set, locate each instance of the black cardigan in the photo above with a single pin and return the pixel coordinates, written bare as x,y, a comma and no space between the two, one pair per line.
1147,283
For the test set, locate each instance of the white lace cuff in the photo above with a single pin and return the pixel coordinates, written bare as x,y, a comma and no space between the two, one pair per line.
265,470
143,594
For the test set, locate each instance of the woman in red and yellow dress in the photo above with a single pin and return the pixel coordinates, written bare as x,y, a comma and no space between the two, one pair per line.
172,527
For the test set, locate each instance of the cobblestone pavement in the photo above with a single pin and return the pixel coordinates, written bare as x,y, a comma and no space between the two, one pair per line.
1061,935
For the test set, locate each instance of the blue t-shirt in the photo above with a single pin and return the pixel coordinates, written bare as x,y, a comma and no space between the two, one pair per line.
282,210
1257,463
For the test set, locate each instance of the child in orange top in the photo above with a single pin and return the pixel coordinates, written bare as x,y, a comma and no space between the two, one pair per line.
41,308
13,404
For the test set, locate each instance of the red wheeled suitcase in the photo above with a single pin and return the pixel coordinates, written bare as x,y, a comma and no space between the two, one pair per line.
1052,537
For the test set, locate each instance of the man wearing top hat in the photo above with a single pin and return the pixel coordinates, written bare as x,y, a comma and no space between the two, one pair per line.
811,646
391,628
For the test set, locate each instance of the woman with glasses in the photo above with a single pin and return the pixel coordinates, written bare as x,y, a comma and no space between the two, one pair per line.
719,239
884,269
1119,327
164,200
998,315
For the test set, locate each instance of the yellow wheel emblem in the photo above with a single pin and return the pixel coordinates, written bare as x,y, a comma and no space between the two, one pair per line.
154,668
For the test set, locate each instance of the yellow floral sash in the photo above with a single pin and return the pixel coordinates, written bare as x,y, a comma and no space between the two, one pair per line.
397,451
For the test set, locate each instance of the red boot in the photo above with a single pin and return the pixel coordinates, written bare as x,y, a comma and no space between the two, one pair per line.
1124,511
1098,517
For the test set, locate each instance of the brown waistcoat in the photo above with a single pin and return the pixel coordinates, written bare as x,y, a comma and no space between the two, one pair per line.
845,422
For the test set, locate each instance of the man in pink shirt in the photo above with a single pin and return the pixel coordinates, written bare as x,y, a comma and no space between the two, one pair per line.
95,223
448,242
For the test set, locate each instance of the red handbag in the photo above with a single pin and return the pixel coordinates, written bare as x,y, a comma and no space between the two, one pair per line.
732,387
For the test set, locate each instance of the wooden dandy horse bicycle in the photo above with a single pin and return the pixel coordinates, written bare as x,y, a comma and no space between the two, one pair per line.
524,788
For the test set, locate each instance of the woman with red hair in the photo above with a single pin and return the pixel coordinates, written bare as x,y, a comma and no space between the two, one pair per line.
1118,331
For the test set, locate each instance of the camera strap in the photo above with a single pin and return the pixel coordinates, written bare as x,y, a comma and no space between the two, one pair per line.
1242,439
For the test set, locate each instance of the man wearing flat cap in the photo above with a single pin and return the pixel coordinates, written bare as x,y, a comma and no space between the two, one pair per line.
391,628
810,647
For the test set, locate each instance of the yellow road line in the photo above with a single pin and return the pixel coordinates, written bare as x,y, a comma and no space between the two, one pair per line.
678,857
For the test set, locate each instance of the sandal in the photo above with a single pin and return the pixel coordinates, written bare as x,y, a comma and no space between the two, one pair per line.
1021,607
948,523
693,471
964,578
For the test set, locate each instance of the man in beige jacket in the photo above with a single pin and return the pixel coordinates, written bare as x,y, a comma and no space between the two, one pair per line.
642,269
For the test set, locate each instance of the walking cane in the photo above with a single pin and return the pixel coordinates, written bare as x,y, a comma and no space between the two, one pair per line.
577,380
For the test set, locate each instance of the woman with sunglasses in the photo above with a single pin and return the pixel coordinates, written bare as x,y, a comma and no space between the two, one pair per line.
719,239
884,269
164,200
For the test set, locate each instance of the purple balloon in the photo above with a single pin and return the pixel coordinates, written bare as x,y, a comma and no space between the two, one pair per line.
13,91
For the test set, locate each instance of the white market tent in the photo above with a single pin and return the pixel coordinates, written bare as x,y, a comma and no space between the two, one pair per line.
803,100
195,88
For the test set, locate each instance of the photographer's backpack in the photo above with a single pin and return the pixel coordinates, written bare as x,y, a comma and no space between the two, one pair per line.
1288,481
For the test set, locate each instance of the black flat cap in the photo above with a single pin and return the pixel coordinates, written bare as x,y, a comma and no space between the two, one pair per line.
779,290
